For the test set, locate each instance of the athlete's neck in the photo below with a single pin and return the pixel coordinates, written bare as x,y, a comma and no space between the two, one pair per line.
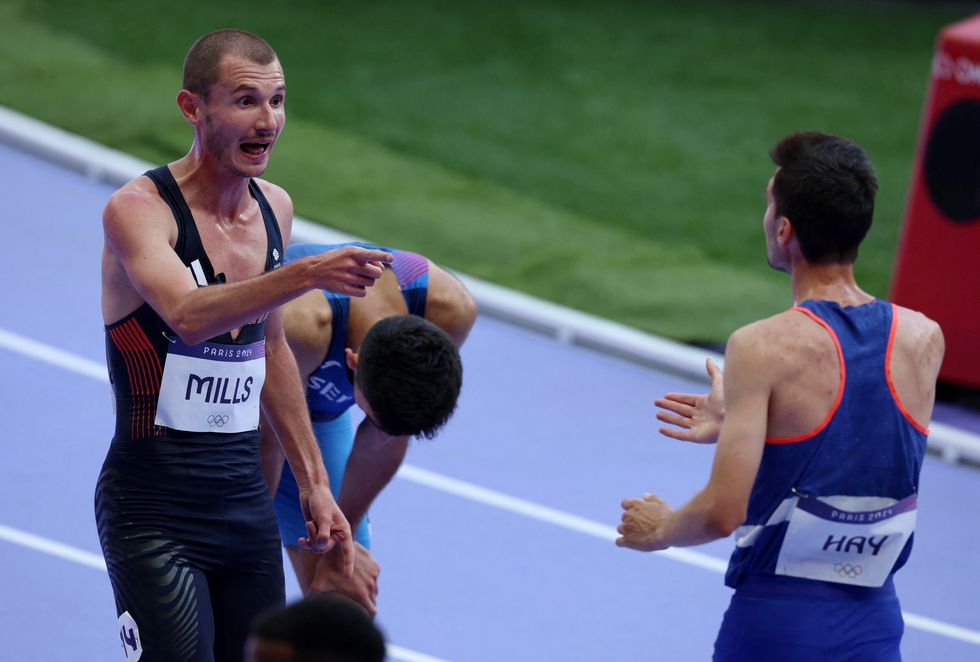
208,186
827,282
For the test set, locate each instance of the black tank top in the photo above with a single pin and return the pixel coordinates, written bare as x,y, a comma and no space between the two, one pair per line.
136,345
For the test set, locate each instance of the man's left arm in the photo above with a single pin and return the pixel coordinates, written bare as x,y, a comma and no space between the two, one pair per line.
649,524
284,407
372,464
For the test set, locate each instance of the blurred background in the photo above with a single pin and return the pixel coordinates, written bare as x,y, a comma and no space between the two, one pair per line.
607,156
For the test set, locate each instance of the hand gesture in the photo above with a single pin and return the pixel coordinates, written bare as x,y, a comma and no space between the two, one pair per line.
326,527
362,587
699,416
349,270
643,522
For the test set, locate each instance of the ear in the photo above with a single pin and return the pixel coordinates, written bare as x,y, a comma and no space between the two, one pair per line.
784,231
190,105
351,357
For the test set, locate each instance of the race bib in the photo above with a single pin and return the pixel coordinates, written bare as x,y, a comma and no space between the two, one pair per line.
211,387
853,546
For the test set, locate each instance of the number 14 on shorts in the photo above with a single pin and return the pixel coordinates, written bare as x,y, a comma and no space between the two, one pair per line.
129,637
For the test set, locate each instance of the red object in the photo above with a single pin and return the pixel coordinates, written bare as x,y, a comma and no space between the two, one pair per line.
938,266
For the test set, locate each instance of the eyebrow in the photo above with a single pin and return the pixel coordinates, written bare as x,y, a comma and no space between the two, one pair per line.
247,87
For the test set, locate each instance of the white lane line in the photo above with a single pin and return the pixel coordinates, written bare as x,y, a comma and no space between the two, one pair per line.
52,547
544,514
473,492
48,354
408,655
88,559
595,529
927,624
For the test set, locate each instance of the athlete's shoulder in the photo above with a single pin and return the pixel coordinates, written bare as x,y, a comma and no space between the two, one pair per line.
775,344
921,334
449,304
277,197
309,313
134,205
139,193
918,320
769,331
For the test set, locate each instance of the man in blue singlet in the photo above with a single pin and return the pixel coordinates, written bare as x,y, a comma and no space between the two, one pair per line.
192,278
820,428
394,354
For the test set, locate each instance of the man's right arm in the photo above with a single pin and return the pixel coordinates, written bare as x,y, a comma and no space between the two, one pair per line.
137,233
649,524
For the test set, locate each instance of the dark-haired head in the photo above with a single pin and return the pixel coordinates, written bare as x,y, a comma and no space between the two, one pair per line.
319,628
202,65
826,187
410,373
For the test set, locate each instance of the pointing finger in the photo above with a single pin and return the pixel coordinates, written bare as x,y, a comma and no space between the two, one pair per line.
370,255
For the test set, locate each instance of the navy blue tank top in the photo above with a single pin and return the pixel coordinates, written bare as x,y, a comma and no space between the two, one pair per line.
867,446
137,345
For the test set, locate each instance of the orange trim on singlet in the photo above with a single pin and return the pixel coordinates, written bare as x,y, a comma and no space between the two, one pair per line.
888,376
840,391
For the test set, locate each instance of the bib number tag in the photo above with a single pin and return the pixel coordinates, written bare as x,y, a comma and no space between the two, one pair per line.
854,546
211,387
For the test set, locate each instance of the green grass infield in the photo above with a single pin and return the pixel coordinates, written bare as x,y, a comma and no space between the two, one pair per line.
608,156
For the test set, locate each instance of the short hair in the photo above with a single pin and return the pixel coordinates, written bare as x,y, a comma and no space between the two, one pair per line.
202,66
411,373
826,187
323,628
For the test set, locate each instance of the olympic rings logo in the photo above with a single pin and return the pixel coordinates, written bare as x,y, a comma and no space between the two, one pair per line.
848,570
217,420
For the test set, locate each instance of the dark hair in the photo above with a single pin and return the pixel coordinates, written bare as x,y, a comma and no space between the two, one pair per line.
826,187
323,628
202,66
411,374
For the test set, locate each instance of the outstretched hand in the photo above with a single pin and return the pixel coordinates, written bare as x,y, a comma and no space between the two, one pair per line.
326,527
350,270
699,417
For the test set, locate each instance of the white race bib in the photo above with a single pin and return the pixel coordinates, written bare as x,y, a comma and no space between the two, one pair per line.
211,387
853,546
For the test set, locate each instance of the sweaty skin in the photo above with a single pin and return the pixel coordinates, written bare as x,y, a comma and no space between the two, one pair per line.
376,455
234,133
782,377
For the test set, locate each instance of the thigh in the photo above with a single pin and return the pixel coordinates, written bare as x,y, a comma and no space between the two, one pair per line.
164,604
250,580
161,593
238,599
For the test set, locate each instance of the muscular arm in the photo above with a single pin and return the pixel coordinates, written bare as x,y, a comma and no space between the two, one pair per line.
306,324
718,509
270,453
284,408
372,464
138,232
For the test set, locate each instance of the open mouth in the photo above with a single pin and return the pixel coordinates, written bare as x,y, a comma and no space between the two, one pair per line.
255,149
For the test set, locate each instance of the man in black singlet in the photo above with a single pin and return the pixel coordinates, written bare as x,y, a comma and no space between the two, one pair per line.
192,278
